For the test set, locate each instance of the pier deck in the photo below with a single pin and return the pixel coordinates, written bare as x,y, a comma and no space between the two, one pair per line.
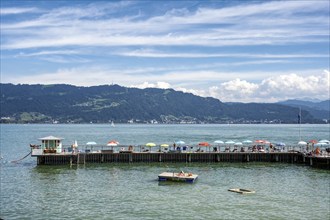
103,157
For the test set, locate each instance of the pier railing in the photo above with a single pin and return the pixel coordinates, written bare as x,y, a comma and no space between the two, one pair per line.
206,157
185,149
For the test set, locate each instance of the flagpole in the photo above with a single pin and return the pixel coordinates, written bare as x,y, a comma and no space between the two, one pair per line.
299,121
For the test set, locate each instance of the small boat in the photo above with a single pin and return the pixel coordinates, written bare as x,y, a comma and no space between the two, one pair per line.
242,191
181,177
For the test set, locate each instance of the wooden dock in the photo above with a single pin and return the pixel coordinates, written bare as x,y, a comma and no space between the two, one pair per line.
205,157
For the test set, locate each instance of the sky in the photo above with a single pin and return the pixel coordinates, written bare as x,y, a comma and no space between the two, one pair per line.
235,51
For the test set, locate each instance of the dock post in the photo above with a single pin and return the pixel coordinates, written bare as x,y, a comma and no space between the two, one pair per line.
102,158
311,161
71,161
189,158
130,158
160,158
247,158
276,158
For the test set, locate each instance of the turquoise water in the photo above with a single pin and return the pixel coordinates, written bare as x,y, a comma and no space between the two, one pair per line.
131,191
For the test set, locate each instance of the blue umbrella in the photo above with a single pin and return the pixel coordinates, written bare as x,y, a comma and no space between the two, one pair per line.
281,144
179,142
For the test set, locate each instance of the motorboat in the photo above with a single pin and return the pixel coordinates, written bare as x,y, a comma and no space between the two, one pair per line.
181,177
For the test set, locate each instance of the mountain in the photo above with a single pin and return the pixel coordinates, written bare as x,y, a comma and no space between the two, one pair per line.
102,104
319,110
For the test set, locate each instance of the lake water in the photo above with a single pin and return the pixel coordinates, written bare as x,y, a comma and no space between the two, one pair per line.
131,191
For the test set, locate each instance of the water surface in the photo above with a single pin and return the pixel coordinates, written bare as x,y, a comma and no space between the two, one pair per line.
131,191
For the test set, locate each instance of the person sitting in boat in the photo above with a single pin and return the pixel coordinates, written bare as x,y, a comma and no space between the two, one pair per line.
181,173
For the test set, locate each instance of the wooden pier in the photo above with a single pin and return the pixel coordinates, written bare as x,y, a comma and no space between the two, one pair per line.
205,157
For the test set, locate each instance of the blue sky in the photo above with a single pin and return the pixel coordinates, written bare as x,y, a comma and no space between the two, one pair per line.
246,51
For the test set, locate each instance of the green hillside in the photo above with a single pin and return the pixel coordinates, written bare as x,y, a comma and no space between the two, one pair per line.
103,104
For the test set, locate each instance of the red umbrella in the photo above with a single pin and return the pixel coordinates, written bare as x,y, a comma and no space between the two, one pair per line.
259,141
312,141
262,142
205,144
113,143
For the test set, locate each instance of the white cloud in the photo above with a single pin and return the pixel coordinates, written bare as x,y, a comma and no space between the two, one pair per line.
160,85
16,10
234,90
51,52
93,25
156,54
56,56
276,88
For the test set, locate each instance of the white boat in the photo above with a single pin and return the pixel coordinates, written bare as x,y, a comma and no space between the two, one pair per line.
181,177
242,191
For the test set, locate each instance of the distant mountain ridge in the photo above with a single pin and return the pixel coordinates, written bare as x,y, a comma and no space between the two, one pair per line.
62,103
319,110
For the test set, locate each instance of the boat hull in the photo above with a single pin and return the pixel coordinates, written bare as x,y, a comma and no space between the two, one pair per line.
242,191
178,177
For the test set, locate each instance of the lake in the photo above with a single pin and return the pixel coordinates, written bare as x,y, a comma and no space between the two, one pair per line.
131,191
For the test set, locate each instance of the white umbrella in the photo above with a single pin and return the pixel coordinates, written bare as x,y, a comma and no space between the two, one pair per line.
302,143
91,143
238,144
320,144
324,141
247,142
179,142
229,142
218,142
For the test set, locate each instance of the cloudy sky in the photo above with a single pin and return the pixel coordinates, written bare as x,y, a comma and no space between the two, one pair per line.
245,51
